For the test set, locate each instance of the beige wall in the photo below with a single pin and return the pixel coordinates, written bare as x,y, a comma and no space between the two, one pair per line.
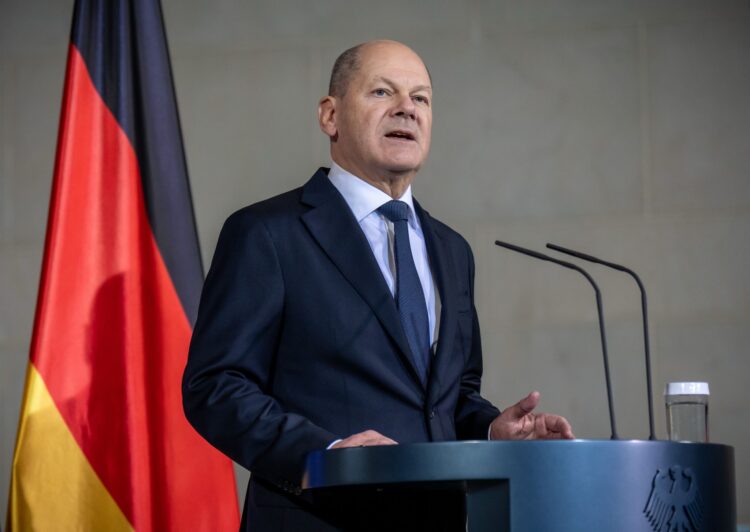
618,127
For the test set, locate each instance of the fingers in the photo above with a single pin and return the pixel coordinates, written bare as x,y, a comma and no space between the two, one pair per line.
552,427
519,422
364,439
530,402
522,408
560,425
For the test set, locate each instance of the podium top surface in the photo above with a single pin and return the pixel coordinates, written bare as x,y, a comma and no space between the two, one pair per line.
487,460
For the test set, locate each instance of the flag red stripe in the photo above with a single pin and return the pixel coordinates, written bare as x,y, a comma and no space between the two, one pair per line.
113,350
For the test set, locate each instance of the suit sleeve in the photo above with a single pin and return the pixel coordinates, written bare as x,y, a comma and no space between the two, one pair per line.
227,384
473,412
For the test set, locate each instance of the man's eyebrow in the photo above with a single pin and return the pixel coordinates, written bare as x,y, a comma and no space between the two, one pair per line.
393,84
418,88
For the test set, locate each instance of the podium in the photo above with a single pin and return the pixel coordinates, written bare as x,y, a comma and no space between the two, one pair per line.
578,485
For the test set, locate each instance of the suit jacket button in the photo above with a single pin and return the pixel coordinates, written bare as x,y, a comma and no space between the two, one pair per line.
432,414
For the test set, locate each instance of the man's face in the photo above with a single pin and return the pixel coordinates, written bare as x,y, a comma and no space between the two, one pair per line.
382,125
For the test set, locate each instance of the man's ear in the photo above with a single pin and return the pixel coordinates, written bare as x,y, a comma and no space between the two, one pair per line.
327,116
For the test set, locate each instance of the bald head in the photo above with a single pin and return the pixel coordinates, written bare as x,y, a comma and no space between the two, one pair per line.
349,63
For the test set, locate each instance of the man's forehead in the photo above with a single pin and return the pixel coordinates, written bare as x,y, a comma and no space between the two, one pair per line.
415,84
395,66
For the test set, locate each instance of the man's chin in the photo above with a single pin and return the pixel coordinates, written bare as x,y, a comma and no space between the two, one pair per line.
401,172
403,165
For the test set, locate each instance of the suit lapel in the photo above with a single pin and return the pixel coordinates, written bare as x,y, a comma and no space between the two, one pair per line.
442,268
333,226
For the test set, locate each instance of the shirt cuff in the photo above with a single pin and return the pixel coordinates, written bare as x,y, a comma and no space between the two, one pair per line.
489,432
333,443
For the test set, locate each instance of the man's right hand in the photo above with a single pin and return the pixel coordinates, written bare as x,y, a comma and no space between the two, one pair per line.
519,422
364,439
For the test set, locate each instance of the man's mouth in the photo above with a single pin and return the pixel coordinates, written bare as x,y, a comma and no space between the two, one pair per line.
400,134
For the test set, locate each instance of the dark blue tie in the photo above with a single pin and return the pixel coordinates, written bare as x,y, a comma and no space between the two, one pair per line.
409,295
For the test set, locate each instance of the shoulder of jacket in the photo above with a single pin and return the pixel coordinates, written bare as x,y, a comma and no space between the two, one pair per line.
277,207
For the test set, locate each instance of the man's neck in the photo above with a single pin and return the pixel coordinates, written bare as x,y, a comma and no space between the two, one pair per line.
394,187
393,184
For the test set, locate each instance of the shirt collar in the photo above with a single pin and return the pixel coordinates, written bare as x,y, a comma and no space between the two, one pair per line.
363,198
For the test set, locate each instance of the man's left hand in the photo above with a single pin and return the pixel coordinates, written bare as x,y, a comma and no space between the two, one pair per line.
519,422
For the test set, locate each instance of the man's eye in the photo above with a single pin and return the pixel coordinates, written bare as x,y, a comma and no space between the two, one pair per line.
379,92
421,99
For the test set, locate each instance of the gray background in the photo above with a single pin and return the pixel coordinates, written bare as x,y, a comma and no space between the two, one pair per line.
617,127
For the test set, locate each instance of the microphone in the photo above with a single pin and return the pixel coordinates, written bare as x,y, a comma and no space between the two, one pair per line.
644,313
600,312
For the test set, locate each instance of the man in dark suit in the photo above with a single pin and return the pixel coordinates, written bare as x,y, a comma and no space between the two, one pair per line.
341,313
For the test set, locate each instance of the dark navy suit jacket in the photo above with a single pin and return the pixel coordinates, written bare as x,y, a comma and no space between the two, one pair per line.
298,342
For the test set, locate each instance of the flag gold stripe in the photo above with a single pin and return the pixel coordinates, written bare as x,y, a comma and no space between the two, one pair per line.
53,486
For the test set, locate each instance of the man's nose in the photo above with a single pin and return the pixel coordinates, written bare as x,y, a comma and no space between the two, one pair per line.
405,107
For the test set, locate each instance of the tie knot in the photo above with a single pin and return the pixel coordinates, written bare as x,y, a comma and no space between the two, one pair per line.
395,210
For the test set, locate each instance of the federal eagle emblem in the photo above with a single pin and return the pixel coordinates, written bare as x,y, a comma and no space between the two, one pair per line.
675,504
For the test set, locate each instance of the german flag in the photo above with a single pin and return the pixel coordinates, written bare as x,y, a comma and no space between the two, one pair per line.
103,443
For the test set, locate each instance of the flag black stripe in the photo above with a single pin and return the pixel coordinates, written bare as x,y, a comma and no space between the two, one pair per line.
129,65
